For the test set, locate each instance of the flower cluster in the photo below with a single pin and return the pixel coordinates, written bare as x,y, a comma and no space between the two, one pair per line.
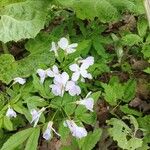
62,83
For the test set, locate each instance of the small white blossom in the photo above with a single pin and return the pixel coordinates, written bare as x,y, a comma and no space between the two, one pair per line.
11,113
68,48
19,80
36,115
76,131
47,73
52,72
47,133
79,71
89,61
54,48
88,102
58,88
72,88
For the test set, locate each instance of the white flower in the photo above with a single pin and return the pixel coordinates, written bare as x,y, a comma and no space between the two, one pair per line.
60,81
54,48
78,132
11,113
36,115
80,70
88,102
19,80
89,61
47,134
72,88
52,72
48,72
64,44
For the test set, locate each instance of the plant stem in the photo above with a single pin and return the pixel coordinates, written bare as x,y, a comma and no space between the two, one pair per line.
5,48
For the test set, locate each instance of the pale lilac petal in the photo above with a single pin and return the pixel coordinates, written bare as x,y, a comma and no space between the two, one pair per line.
84,73
11,113
47,134
63,43
49,73
69,85
74,67
19,80
42,74
75,76
55,69
56,89
65,78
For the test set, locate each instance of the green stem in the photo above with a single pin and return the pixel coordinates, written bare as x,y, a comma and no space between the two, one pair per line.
5,48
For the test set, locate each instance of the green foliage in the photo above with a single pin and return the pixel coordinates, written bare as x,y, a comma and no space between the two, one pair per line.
22,19
91,140
115,91
17,139
123,134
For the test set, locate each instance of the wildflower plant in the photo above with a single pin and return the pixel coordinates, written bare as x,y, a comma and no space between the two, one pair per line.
56,102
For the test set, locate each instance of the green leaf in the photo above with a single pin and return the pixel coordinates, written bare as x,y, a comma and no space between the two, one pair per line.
88,118
122,134
142,26
130,90
131,39
33,140
113,93
7,123
91,139
31,63
22,19
36,101
7,68
98,8
96,96
125,109
17,139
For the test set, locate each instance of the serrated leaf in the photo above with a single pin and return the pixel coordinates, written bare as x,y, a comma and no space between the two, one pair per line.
17,139
33,140
131,39
129,90
122,134
8,67
142,26
125,109
22,19
91,139
98,8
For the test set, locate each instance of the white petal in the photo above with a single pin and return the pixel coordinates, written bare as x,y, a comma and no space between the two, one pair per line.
75,76
74,67
56,89
76,131
55,69
19,80
89,76
75,90
63,43
65,78
71,48
88,103
84,73
54,48
79,132
88,61
47,134
11,113
69,85
49,73
42,75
